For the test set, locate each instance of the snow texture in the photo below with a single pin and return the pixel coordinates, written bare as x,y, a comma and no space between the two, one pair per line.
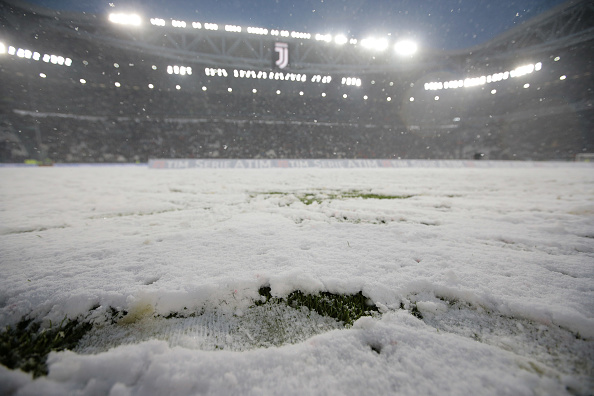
496,264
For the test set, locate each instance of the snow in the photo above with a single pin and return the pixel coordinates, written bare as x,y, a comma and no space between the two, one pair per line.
499,262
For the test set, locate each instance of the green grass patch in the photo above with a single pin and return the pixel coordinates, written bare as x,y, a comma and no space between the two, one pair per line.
309,198
344,308
27,345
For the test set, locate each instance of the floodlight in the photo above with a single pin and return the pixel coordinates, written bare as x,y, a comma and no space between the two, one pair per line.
411,99
68,62
151,86
36,55
375,44
493,91
42,75
83,81
177,87
436,98
2,48
11,50
117,84
563,77
254,90
365,97
20,53
389,99
405,48
125,19
28,54
340,39
526,85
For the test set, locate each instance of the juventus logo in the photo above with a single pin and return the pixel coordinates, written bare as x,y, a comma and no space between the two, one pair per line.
283,55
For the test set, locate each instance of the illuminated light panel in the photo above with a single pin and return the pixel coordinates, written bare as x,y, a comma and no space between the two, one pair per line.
406,48
375,44
20,53
351,81
157,22
353,41
284,33
233,28
211,26
178,24
323,79
257,30
37,56
301,35
196,25
340,39
125,19
323,37
212,72
482,80
11,50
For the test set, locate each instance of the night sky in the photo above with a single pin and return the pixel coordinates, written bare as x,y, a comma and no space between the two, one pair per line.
437,24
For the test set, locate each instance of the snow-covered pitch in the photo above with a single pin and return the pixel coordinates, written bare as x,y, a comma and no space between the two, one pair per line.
499,263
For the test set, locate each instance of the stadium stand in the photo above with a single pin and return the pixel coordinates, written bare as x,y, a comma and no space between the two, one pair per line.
107,95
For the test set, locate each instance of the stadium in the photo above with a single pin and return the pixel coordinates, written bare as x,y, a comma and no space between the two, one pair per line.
434,235
83,88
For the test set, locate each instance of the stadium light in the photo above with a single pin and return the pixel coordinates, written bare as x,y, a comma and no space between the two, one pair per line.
375,44
2,48
125,19
563,77
340,39
405,48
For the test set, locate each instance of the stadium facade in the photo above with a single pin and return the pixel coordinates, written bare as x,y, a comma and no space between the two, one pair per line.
93,88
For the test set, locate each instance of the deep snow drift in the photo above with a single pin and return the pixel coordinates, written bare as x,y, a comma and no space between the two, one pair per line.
498,262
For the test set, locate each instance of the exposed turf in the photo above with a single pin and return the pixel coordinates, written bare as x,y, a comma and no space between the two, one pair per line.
27,345
344,308
308,198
